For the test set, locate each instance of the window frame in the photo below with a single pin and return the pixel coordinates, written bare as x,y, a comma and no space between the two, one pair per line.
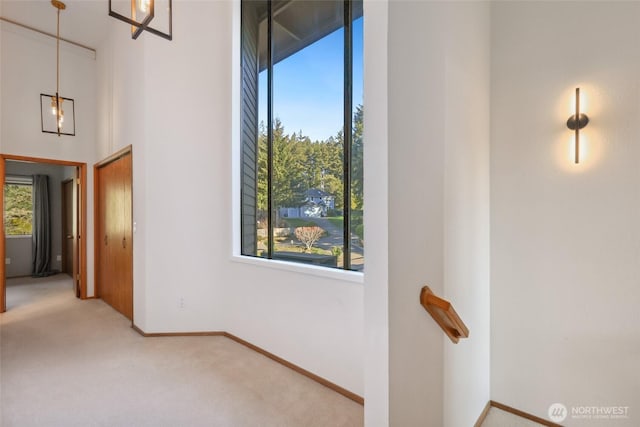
239,129
26,181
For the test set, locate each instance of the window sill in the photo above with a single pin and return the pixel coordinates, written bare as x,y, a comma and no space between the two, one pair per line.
21,236
326,272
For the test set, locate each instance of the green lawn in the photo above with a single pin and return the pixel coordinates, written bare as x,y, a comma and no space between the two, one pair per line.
298,222
300,249
356,222
336,220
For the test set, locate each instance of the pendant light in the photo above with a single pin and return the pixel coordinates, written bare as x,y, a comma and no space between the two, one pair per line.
52,107
140,15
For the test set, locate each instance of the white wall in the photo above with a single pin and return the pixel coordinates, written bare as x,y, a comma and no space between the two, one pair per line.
466,208
416,175
1,32
171,101
438,65
187,152
565,237
18,255
28,68
120,85
376,215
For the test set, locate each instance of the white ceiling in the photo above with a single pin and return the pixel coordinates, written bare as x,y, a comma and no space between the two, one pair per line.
83,21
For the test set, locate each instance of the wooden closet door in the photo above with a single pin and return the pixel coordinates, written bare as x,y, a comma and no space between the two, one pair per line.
115,236
116,258
102,253
125,257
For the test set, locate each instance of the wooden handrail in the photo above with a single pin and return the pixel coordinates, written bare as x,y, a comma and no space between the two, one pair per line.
443,313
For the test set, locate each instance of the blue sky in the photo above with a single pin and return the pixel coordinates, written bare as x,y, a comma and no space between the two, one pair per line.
308,86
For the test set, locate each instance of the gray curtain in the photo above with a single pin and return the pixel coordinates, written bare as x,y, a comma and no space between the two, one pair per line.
41,232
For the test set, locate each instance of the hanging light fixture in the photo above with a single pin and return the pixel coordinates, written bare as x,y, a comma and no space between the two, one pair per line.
142,12
52,107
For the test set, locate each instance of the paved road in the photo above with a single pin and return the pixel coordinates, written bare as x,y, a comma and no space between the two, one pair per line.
334,236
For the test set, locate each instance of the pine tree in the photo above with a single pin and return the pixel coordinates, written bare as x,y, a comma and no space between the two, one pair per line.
357,160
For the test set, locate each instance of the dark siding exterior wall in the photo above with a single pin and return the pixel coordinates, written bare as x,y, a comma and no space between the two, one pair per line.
249,123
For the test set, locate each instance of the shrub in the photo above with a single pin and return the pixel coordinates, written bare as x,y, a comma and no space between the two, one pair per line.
309,236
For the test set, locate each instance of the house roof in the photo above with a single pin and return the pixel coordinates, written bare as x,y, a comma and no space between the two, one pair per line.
299,24
315,192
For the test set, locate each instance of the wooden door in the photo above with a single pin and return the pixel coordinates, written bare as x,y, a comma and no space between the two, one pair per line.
127,236
102,262
68,232
114,254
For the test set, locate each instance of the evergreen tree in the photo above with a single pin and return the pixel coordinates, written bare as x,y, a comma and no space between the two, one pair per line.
300,164
357,161
288,168
261,184
332,167
18,208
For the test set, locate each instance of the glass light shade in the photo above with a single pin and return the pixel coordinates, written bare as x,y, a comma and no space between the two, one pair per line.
65,123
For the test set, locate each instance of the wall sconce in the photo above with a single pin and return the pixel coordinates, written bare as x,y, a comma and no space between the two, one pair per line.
577,122
142,13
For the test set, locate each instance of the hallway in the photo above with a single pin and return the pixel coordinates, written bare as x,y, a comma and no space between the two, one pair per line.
66,362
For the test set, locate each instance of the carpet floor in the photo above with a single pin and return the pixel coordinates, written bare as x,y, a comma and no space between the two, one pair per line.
66,362
499,418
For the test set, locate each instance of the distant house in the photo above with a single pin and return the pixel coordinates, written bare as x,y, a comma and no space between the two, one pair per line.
321,198
317,203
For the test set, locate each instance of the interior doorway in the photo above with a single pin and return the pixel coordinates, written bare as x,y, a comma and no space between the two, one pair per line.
77,175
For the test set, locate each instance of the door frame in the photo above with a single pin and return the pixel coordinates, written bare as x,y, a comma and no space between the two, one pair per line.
81,266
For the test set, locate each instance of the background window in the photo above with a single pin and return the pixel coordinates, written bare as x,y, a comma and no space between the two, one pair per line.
302,141
18,208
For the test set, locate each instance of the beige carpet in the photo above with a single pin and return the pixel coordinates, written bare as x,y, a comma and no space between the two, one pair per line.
499,418
66,362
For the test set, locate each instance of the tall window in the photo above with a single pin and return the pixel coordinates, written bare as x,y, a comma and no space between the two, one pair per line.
302,147
18,206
